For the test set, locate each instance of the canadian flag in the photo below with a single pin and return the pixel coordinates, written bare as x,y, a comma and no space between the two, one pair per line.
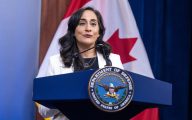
123,35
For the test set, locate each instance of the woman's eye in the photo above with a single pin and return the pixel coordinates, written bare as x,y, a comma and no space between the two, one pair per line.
81,23
93,24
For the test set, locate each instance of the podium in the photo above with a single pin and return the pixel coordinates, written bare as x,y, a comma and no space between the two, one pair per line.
69,94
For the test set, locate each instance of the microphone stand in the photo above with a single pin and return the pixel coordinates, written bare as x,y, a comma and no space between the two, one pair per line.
108,61
76,54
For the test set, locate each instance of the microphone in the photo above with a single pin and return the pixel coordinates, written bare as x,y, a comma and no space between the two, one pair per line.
99,45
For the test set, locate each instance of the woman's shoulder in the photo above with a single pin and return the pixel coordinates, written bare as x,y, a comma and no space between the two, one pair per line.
56,58
57,67
116,60
114,55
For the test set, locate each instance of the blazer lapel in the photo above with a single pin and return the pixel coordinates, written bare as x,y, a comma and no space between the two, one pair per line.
101,60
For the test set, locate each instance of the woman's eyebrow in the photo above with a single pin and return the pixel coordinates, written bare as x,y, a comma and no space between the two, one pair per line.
92,20
82,19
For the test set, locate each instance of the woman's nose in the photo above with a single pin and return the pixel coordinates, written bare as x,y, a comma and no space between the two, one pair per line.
88,28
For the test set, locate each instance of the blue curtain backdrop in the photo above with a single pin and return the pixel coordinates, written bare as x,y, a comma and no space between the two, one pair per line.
165,27
19,43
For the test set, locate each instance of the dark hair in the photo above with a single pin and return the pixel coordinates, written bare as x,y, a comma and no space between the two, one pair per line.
69,46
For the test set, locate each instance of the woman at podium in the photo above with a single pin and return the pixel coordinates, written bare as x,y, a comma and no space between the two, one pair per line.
81,48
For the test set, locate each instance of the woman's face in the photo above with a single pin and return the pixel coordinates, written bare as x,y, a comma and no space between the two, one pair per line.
87,31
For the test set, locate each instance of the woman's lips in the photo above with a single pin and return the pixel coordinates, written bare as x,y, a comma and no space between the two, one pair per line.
87,35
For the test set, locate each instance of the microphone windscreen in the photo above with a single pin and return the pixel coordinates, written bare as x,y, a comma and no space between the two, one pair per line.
99,45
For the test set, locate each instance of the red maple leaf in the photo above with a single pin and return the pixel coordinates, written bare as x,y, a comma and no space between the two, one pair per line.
122,46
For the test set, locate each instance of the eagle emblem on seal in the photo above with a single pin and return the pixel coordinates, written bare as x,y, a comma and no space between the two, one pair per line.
111,90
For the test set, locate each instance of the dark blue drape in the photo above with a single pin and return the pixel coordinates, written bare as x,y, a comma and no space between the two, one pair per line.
165,27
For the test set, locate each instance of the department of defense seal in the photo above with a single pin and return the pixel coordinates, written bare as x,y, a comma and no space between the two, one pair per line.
110,89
